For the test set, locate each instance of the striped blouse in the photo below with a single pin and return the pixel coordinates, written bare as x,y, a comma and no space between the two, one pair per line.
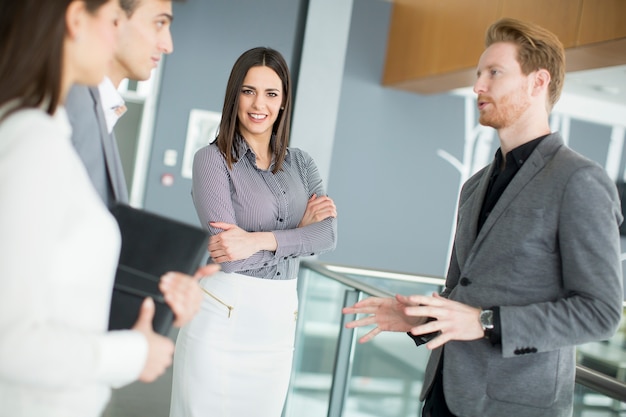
257,200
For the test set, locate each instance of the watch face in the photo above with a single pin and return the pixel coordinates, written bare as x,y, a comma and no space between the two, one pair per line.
486,319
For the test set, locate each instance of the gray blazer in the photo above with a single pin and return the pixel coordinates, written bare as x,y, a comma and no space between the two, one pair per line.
549,256
95,146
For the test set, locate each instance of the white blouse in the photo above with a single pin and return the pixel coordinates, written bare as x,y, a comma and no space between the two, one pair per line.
59,247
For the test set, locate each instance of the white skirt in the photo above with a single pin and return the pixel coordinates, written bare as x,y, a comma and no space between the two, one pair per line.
234,358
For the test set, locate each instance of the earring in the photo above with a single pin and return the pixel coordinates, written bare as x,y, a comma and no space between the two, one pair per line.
282,108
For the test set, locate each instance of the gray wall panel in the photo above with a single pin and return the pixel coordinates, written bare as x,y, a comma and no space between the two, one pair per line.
396,198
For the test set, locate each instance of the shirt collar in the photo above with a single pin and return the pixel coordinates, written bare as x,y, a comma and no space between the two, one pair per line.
112,102
244,150
518,155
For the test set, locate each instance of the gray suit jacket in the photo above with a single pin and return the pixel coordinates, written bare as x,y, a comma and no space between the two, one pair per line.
95,146
549,256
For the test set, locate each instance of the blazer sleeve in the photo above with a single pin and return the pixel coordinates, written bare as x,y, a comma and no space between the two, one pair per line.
590,306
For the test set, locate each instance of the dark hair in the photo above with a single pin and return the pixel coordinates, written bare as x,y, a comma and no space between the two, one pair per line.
255,57
32,33
129,6
537,48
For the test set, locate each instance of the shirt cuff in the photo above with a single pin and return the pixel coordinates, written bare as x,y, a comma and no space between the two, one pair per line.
123,356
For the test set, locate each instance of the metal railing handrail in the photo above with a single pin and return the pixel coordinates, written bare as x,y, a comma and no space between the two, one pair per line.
601,383
337,272
597,381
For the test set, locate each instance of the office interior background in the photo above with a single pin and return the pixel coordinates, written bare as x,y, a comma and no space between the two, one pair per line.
393,160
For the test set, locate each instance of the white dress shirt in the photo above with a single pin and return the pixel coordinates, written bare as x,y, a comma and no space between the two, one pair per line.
113,104
59,247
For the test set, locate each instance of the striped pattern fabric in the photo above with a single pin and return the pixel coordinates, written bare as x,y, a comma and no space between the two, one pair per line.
257,200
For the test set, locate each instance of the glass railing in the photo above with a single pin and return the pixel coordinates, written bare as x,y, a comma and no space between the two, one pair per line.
333,375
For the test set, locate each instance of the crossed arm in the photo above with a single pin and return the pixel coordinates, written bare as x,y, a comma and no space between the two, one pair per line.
234,243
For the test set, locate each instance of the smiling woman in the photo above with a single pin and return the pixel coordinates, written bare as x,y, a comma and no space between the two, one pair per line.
264,206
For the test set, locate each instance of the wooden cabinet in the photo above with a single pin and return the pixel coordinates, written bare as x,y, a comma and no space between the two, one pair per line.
601,20
434,45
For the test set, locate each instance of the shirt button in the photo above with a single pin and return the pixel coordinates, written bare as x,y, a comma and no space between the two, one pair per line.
286,257
278,273
280,220
313,254
265,264
465,281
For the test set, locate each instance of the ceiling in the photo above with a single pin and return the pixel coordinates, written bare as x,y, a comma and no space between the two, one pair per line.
606,84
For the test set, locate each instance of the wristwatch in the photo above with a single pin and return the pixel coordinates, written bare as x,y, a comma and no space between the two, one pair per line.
486,321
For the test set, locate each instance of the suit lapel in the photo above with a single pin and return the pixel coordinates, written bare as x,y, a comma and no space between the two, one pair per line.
477,202
535,163
465,239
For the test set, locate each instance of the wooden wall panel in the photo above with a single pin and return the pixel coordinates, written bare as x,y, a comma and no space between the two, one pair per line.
428,37
461,36
406,43
597,55
561,17
602,20
434,45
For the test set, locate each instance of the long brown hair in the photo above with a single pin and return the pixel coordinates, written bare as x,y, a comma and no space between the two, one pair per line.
255,57
32,33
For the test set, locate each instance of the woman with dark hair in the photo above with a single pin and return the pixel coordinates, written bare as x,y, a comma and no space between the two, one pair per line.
59,243
264,205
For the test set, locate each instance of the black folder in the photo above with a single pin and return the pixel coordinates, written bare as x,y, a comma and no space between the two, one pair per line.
151,246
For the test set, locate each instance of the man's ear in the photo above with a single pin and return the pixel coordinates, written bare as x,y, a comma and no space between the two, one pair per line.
75,18
541,81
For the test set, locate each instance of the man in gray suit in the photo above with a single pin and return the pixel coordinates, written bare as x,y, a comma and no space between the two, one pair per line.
143,37
535,268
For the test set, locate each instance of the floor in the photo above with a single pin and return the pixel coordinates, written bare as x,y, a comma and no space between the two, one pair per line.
142,400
